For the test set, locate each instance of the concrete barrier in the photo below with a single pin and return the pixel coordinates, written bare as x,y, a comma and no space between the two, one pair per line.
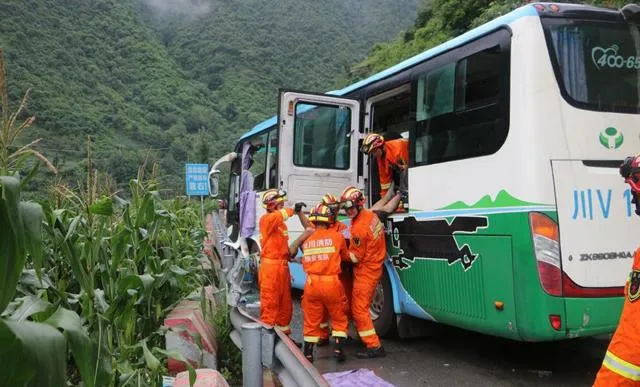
191,335
204,378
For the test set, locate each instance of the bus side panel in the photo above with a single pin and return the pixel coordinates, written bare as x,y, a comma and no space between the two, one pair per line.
534,305
466,298
592,316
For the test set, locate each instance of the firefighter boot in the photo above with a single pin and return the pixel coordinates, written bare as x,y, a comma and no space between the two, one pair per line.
338,351
322,342
308,351
369,353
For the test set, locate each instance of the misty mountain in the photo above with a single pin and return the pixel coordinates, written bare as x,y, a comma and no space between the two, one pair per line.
155,79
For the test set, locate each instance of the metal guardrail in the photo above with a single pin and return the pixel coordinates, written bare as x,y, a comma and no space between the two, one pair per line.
261,345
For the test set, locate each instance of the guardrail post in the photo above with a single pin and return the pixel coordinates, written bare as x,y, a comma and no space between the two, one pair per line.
251,355
268,345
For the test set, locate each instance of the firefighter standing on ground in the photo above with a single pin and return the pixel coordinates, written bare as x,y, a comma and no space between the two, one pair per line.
393,163
367,251
323,291
273,274
621,364
346,273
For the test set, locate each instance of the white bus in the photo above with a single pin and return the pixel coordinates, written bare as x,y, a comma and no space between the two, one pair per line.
519,224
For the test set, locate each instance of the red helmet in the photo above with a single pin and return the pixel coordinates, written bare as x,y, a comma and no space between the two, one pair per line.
272,197
352,196
630,171
320,213
371,142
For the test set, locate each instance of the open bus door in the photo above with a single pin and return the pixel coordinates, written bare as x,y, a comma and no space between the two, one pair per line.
318,150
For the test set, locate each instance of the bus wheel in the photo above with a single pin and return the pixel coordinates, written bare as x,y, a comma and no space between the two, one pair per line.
382,307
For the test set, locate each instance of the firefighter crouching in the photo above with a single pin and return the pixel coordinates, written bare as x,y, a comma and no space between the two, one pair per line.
367,250
323,291
346,273
273,274
621,364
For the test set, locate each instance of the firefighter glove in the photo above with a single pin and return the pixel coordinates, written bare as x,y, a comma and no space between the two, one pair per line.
298,207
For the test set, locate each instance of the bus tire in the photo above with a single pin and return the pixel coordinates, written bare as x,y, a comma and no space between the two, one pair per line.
382,307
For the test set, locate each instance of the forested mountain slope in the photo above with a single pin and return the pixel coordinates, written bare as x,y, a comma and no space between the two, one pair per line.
156,79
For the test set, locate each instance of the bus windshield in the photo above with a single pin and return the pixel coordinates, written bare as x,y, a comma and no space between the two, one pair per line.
597,63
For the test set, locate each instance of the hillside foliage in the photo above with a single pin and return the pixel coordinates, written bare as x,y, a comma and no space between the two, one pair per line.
440,20
151,83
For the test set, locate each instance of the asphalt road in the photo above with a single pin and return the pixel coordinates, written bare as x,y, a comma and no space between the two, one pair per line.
455,357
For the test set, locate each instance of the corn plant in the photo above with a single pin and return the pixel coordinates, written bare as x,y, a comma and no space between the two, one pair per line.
129,263
84,303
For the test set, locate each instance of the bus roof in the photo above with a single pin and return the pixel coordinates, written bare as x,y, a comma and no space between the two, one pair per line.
527,10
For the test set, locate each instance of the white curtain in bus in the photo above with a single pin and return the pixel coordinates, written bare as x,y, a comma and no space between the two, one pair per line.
569,47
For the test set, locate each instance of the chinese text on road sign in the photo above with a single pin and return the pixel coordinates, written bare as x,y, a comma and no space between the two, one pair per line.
197,179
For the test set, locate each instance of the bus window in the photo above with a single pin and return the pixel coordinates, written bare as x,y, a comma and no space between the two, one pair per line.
257,165
435,92
320,136
597,64
458,112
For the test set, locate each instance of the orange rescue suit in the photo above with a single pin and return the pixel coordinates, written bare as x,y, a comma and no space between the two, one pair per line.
346,277
368,251
273,275
396,153
621,365
323,251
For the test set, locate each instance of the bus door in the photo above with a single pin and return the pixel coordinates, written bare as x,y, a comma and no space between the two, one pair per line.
318,150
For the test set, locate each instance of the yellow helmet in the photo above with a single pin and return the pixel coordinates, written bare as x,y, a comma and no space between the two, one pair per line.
320,213
371,142
352,196
272,197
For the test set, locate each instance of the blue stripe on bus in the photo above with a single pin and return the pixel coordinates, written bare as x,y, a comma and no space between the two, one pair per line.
473,211
527,10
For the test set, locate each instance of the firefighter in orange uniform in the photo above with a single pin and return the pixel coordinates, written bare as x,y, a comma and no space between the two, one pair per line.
393,161
621,364
273,274
323,291
367,251
346,274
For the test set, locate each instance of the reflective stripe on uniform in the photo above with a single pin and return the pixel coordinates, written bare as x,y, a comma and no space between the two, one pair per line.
339,334
320,250
285,328
353,258
385,186
621,367
284,214
311,339
367,332
324,325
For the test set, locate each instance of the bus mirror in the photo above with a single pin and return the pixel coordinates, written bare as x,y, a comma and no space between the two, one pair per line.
631,12
213,183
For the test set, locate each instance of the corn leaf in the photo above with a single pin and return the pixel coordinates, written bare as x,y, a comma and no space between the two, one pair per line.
152,362
93,361
103,206
32,354
30,306
12,243
178,356
32,216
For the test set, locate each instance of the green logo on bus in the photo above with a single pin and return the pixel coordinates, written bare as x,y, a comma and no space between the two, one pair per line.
611,138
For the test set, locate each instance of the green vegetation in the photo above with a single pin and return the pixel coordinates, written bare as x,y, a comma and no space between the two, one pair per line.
439,21
87,276
149,81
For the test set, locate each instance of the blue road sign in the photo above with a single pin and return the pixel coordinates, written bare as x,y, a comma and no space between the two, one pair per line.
197,179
